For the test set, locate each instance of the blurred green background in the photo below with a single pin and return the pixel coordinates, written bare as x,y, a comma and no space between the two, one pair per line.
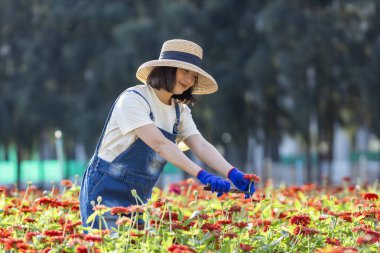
299,81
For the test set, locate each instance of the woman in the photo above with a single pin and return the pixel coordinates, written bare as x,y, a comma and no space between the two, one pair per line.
142,129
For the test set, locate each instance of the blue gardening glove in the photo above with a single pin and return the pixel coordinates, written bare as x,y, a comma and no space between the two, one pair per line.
237,177
217,184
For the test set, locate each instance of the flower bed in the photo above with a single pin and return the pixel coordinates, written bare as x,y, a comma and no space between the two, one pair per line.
189,219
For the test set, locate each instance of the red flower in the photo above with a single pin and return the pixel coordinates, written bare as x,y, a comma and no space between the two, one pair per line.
57,239
370,237
211,227
84,249
361,228
52,202
204,216
338,250
304,231
46,250
252,177
53,233
230,235
176,189
302,220
81,249
240,225
3,189
245,247
29,220
224,222
67,183
333,241
4,233
93,238
176,248
370,196
235,209
30,235
123,221
158,203
118,210
22,246
259,222
347,216
136,209
73,236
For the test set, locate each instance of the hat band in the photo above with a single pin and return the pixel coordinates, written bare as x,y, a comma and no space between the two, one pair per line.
181,56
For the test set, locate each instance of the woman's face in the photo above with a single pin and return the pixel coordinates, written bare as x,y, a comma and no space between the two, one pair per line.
184,79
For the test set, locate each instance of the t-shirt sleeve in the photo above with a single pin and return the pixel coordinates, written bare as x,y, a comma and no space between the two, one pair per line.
131,111
187,126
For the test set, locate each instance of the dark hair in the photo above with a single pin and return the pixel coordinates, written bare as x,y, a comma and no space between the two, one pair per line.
164,78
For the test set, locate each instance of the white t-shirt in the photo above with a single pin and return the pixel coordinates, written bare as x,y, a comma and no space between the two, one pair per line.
132,111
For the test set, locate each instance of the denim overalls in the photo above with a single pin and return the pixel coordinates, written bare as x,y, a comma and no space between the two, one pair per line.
137,168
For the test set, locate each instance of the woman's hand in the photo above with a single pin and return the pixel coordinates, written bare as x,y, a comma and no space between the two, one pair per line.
237,177
216,183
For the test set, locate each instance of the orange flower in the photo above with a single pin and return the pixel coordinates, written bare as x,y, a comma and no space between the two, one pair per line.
67,183
252,177
158,203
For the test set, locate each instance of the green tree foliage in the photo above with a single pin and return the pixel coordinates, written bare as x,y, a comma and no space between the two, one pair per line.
279,65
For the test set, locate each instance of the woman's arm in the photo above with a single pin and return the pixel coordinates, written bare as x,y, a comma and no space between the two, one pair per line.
153,137
208,153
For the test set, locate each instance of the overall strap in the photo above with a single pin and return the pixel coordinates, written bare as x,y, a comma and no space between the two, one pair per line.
178,119
104,127
109,116
150,108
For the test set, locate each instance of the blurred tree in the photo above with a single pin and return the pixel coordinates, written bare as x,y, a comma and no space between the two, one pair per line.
280,66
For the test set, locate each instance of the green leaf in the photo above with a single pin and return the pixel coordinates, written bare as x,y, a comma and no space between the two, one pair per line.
180,215
91,218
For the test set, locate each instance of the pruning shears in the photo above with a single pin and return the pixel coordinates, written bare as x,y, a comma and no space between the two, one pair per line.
208,188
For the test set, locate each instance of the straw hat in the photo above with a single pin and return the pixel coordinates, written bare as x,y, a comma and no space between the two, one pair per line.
181,54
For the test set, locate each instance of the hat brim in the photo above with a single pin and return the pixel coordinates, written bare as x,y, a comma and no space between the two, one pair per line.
206,83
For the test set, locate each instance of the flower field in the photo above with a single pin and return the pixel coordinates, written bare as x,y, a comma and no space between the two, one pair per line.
186,218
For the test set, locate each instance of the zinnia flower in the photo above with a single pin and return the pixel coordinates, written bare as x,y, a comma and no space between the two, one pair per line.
338,250
118,210
333,241
302,220
93,238
211,227
53,233
67,183
176,248
370,196
252,177
245,247
304,231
